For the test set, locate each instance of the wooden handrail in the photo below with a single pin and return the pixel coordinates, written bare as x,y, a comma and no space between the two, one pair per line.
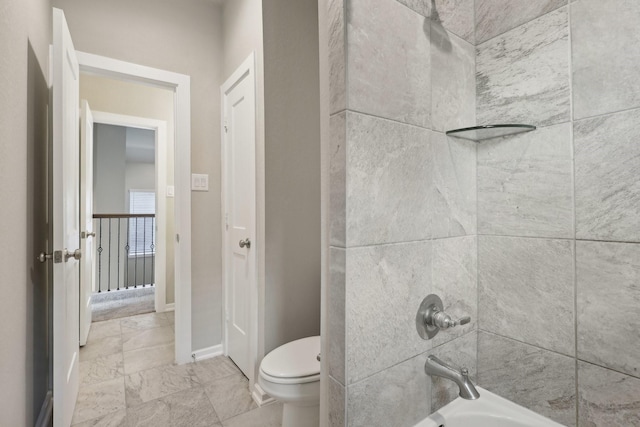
98,216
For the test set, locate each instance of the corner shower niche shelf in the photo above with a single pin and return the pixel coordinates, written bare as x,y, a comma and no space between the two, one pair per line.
479,133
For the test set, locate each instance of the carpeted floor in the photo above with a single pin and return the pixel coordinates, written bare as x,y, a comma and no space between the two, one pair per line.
122,303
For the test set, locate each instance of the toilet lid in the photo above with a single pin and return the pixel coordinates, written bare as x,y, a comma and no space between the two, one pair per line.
294,359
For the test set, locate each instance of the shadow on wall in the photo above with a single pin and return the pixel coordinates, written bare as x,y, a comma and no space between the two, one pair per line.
38,293
437,33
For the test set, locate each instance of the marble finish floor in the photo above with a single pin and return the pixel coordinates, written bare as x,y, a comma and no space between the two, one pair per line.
128,379
122,303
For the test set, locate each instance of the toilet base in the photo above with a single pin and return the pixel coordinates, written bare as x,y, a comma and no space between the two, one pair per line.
300,416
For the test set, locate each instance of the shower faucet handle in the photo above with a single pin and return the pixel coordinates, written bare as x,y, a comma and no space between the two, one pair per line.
431,318
461,321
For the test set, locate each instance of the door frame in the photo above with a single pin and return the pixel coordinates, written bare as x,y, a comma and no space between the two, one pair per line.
247,67
181,85
159,127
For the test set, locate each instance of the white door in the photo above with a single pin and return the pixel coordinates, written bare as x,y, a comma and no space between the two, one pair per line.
66,222
240,201
87,235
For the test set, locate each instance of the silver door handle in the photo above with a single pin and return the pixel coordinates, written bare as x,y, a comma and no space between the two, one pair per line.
77,254
246,242
43,257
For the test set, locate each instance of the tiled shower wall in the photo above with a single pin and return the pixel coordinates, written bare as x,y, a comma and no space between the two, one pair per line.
403,204
559,208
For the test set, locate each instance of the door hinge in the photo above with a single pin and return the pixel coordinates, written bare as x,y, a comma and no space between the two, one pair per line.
57,257
226,128
226,221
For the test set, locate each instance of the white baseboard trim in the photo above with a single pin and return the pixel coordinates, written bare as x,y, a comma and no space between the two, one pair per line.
170,307
207,353
259,396
44,418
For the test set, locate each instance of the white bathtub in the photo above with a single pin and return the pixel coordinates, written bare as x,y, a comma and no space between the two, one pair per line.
489,410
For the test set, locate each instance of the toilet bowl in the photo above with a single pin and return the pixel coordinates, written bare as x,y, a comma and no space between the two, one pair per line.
291,375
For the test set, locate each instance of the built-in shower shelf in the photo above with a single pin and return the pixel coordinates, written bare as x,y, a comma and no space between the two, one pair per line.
478,133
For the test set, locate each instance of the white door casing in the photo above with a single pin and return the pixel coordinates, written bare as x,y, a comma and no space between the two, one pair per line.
87,236
239,205
66,222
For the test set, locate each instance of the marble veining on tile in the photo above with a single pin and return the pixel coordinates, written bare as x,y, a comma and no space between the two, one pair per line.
537,379
454,271
147,338
101,369
453,81
101,347
607,157
154,383
230,396
96,400
609,294
107,328
388,178
454,186
461,352
388,61
525,184
214,368
398,396
605,51
522,76
526,290
494,17
148,357
385,285
607,398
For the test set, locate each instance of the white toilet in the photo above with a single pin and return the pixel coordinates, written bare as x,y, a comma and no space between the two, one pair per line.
291,375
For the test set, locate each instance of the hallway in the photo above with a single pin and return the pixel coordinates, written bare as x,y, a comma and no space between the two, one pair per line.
128,378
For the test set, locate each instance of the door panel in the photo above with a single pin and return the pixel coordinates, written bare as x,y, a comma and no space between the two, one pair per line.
239,140
87,264
66,222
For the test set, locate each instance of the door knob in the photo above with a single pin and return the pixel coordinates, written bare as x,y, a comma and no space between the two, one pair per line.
77,254
246,242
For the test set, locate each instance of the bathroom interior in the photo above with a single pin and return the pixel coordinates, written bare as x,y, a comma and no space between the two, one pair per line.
532,235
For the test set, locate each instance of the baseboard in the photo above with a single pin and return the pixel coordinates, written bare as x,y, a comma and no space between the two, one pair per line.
207,353
170,307
259,396
44,418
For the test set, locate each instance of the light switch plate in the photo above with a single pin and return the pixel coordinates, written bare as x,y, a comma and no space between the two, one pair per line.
199,182
171,191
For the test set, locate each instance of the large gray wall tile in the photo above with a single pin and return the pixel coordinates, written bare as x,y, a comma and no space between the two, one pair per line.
454,186
388,61
606,48
609,305
494,17
455,16
398,396
336,315
453,81
523,75
537,379
526,290
607,398
337,179
388,180
454,270
385,285
607,158
525,184
337,58
460,353
336,403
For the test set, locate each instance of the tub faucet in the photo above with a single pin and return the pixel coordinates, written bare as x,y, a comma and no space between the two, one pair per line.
435,366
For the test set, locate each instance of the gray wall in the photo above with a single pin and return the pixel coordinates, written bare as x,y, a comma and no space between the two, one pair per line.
184,37
25,35
558,254
402,204
292,164
109,164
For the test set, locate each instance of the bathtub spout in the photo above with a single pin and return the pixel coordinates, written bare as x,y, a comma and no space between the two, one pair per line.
437,367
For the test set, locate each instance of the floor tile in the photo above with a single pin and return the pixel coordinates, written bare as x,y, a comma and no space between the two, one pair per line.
104,329
230,396
114,419
144,386
143,321
265,416
189,408
100,348
147,338
96,400
148,357
101,369
215,368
